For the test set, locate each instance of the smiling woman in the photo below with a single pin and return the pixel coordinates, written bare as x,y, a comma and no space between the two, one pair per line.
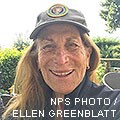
62,58
61,65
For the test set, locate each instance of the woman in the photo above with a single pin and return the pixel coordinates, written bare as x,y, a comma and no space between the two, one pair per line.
54,78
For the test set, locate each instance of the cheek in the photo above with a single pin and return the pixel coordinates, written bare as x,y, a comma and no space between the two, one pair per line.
80,58
42,61
43,65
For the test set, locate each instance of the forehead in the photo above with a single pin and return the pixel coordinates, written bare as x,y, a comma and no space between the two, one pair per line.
59,29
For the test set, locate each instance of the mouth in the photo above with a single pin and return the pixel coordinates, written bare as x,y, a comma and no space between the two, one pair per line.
62,73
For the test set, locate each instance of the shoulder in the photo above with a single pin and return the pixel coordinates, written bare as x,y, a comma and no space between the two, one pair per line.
102,91
107,99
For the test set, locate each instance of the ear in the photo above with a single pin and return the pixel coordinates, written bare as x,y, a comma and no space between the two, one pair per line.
88,55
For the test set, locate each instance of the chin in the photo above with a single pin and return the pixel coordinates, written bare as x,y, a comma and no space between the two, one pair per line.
64,91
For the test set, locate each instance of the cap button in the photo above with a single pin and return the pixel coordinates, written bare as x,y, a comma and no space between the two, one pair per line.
57,10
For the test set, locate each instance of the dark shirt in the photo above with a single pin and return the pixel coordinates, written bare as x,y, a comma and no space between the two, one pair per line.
87,102
96,102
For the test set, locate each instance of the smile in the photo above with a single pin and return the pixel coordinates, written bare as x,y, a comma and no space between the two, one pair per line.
61,74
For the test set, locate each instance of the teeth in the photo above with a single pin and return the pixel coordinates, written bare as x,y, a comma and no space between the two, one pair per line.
62,73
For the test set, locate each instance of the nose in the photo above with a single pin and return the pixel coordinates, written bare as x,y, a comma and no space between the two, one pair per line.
61,56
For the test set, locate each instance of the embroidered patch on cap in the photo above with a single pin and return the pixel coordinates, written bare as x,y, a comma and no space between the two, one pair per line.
57,10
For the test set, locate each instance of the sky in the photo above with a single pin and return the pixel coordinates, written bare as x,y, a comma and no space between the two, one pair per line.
19,16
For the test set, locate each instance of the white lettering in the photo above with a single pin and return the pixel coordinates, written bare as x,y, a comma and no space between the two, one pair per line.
99,100
67,101
77,100
84,101
34,113
21,114
93,114
65,113
91,101
100,113
80,113
51,113
87,113
73,113
106,101
60,100
113,112
106,113
53,101
43,114
15,112
27,114
59,112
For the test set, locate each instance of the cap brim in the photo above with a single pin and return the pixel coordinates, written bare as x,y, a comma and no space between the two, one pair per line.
36,31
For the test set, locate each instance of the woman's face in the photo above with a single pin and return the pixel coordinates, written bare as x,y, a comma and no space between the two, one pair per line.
62,57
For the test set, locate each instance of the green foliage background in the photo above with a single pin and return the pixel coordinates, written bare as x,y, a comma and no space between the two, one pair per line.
111,14
8,62
109,48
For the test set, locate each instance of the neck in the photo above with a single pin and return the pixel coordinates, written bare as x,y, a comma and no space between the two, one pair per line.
60,101
59,95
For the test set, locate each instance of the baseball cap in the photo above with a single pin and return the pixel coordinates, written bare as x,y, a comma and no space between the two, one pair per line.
59,13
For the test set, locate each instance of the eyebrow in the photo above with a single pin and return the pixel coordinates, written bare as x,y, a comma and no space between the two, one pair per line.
46,39
72,38
69,38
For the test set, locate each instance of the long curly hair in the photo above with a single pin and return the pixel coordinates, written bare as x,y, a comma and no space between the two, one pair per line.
30,88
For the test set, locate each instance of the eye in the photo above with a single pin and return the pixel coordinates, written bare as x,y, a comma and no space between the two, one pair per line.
48,47
72,46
